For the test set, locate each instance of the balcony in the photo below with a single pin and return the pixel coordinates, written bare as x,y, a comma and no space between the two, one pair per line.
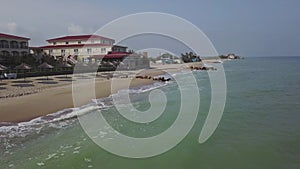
14,45
4,44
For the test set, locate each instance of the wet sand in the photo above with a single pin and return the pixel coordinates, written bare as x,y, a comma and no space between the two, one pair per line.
25,100
39,97
25,108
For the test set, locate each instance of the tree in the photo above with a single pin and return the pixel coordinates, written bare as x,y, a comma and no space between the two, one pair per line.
190,57
50,60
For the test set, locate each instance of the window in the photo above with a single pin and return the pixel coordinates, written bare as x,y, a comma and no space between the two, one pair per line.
5,53
23,45
76,51
14,44
15,53
67,43
63,52
54,43
103,50
50,51
89,50
79,42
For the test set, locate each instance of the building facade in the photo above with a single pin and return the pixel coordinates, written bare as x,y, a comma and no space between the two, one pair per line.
11,45
135,61
94,49
80,47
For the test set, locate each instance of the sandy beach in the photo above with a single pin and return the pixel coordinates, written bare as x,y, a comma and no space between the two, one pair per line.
25,100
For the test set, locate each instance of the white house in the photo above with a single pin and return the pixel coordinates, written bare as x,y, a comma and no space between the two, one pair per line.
11,45
81,47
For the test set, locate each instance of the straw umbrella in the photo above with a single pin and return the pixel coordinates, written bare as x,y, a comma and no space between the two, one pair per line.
23,66
3,67
121,65
45,65
111,64
65,65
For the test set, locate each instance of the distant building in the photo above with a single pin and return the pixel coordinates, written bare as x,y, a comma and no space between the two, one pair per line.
136,61
124,60
11,45
167,59
80,47
91,49
117,48
231,56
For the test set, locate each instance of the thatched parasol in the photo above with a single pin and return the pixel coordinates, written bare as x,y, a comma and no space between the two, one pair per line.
23,66
2,67
65,65
45,65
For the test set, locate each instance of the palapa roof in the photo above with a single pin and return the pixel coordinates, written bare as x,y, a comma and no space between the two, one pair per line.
23,66
45,65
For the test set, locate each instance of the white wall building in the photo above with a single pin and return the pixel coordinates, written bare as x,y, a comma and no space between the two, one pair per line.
11,45
80,47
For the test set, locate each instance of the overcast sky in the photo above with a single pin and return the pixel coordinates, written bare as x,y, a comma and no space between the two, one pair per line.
247,28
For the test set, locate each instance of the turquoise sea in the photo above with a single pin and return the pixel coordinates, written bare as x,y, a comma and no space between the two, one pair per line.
260,127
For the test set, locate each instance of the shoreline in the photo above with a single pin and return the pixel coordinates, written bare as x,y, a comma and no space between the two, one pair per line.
27,107
23,108
53,99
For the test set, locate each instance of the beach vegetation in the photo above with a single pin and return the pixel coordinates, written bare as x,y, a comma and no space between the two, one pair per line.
190,57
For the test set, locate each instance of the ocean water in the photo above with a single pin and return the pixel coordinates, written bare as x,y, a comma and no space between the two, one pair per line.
259,128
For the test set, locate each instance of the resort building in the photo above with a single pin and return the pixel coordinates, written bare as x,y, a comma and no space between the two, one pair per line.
167,58
81,47
231,56
126,60
94,49
11,45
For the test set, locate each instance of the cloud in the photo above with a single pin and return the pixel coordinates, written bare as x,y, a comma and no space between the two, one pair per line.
74,29
10,27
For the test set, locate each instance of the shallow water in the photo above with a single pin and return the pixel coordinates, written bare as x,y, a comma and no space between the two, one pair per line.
259,128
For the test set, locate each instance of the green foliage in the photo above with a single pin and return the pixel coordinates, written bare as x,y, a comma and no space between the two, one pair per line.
226,57
16,60
190,57
50,60
223,57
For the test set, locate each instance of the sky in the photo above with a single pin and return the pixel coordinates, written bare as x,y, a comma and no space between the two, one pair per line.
246,28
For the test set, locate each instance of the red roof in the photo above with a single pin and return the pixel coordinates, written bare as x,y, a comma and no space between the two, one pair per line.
74,45
116,55
113,55
13,36
77,37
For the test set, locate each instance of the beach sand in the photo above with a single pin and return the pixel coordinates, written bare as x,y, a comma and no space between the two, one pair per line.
25,108
22,101
25,100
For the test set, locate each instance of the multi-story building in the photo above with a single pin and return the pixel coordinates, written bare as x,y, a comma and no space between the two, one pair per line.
81,47
11,45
